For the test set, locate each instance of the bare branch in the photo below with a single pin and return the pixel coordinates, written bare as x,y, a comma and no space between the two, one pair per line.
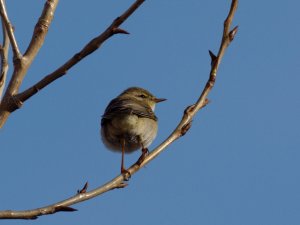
180,130
39,33
9,30
50,209
92,46
4,64
9,102
41,29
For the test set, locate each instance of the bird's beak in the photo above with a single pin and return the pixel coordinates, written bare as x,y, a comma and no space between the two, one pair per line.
157,100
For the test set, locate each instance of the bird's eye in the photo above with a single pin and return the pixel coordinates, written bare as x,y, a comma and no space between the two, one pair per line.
142,96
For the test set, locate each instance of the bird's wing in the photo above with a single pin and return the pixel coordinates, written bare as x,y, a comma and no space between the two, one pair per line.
127,107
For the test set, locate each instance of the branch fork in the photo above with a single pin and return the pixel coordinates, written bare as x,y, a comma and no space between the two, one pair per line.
40,31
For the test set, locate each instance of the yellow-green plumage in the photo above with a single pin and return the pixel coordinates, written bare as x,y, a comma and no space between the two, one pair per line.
130,117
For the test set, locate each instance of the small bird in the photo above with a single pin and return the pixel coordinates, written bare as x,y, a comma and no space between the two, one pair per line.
129,123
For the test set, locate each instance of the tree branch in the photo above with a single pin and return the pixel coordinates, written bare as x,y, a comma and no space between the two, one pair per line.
89,48
21,63
9,30
41,29
3,54
180,130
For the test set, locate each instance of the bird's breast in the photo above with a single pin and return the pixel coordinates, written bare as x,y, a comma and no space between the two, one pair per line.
137,132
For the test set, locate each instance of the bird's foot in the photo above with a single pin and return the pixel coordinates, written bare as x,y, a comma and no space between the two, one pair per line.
126,174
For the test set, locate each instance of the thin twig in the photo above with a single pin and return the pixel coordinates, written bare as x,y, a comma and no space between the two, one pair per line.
92,46
190,111
10,30
4,55
180,130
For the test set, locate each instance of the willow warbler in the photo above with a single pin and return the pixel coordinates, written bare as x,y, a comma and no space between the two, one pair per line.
129,123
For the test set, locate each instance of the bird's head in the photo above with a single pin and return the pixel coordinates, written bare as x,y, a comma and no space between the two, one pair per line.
142,95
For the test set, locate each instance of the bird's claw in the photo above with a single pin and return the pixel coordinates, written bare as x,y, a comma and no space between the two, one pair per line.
126,174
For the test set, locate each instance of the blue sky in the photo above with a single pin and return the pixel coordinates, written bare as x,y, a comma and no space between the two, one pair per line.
239,163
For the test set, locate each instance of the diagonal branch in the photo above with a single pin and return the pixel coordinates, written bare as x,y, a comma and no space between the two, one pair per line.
4,64
179,131
202,101
92,46
9,29
227,37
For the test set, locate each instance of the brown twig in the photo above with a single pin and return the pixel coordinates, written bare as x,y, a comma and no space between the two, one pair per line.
118,182
190,112
4,55
50,209
41,29
10,31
